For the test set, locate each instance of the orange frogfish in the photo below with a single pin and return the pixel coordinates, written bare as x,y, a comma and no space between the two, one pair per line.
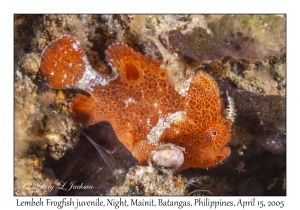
149,117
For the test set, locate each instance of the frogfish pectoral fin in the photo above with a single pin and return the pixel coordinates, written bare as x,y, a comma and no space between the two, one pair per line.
83,109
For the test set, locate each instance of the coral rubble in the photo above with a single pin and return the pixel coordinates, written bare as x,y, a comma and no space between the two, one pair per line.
145,180
39,128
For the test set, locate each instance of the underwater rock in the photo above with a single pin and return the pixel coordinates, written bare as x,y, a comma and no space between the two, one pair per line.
263,116
213,186
141,104
32,140
265,76
250,187
238,36
31,63
85,164
148,181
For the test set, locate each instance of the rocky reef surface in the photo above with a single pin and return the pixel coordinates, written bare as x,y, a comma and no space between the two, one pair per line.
246,56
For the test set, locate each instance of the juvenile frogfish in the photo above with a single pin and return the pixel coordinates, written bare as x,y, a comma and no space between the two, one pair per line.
142,105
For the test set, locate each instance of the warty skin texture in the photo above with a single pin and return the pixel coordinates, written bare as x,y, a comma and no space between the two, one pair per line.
142,106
